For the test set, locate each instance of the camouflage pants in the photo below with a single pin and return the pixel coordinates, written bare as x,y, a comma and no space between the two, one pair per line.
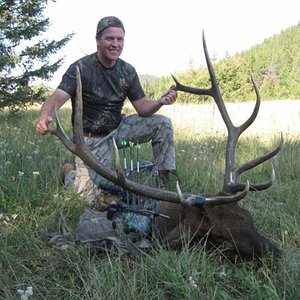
156,129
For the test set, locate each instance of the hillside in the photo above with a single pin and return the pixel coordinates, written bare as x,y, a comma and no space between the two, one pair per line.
274,65
147,79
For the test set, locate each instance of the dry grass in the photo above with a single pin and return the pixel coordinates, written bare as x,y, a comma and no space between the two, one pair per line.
273,117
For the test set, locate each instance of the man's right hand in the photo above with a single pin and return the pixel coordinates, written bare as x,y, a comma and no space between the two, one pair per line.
54,102
42,127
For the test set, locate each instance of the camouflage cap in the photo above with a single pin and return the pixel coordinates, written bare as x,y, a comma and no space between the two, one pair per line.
109,21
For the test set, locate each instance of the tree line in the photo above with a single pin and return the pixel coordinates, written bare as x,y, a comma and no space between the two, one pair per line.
274,65
25,55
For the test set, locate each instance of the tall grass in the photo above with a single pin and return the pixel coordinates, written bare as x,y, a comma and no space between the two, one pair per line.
32,199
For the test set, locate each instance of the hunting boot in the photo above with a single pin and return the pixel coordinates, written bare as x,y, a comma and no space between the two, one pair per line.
66,167
164,178
104,199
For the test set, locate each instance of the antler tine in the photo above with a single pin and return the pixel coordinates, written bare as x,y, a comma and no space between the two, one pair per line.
259,160
180,195
60,133
254,186
265,185
218,199
78,127
253,116
216,94
187,89
233,187
214,91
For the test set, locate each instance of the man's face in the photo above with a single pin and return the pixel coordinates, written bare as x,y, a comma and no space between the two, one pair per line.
110,44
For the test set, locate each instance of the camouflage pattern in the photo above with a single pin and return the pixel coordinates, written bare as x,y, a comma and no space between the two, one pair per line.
103,91
156,129
109,21
98,233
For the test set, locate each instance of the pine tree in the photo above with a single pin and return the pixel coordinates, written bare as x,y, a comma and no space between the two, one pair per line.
24,53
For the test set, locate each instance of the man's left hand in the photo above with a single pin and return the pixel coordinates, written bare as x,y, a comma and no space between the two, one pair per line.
169,97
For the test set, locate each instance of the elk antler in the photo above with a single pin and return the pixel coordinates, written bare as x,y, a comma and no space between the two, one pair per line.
231,172
79,148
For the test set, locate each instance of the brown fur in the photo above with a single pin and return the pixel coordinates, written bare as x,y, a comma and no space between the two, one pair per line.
228,227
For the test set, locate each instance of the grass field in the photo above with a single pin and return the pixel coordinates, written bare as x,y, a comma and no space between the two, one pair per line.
32,199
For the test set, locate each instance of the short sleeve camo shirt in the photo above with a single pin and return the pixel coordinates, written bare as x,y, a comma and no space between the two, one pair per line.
103,91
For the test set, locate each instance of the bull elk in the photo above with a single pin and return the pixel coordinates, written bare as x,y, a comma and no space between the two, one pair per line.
217,219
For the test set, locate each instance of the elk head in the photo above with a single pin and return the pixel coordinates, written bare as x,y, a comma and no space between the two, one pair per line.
217,218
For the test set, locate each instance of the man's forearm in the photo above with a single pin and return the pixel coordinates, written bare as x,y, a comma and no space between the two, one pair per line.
150,107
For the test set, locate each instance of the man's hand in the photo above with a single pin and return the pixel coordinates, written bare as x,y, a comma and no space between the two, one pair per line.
54,102
146,107
42,127
168,98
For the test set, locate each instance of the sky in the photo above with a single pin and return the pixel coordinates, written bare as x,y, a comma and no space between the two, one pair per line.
163,37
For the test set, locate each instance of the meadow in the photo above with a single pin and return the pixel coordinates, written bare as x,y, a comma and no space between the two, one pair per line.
32,199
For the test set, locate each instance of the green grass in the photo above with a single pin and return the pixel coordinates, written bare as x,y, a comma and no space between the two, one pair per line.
32,199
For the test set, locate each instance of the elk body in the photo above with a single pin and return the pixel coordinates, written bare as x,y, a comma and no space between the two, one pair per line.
228,228
216,219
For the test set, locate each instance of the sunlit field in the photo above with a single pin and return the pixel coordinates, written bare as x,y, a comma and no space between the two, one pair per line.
32,199
273,117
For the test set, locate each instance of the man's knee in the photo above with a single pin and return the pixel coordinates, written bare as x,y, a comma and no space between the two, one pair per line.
164,122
